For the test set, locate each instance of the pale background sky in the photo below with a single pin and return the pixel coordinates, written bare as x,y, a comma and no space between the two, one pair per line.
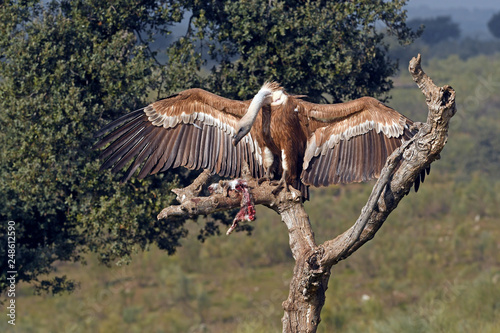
471,15
480,4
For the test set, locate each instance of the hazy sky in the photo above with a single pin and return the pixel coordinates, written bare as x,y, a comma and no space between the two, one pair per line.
471,15
469,4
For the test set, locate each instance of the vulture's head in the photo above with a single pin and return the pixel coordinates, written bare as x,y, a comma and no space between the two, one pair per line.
271,94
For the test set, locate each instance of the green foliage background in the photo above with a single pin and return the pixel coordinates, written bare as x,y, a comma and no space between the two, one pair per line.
312,48
69,67
434,267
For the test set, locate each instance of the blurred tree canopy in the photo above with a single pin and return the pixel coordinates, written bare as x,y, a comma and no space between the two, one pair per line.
68,67
494,25
436,30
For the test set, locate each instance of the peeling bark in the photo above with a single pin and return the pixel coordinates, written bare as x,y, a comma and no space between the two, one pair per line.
313,262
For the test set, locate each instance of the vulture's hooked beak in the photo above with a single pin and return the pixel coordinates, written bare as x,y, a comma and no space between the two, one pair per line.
239,135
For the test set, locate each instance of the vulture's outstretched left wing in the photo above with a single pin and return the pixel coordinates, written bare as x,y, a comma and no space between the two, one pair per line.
193,129
350,142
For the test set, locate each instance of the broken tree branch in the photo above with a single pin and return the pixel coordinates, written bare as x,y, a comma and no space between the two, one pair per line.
416,155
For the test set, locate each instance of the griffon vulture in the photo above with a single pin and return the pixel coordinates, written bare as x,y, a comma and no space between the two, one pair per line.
290,139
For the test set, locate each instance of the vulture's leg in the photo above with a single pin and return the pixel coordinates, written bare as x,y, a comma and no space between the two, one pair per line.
268,165
282,184
285,166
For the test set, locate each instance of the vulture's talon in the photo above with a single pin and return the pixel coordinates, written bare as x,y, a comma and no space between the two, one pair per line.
279,185
262,180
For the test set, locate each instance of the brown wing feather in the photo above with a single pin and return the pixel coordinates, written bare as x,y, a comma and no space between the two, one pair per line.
360,158
334,112
350,142
192,129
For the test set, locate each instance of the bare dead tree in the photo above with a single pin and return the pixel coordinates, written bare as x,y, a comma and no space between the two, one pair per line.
313,262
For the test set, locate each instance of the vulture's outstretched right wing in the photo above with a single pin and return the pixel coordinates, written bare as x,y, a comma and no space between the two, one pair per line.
193,129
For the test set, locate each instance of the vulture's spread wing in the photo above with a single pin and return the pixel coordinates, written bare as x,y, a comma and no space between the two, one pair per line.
192,129
350,142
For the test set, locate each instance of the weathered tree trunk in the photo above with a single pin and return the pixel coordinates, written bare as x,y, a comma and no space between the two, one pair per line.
309,281
313,262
